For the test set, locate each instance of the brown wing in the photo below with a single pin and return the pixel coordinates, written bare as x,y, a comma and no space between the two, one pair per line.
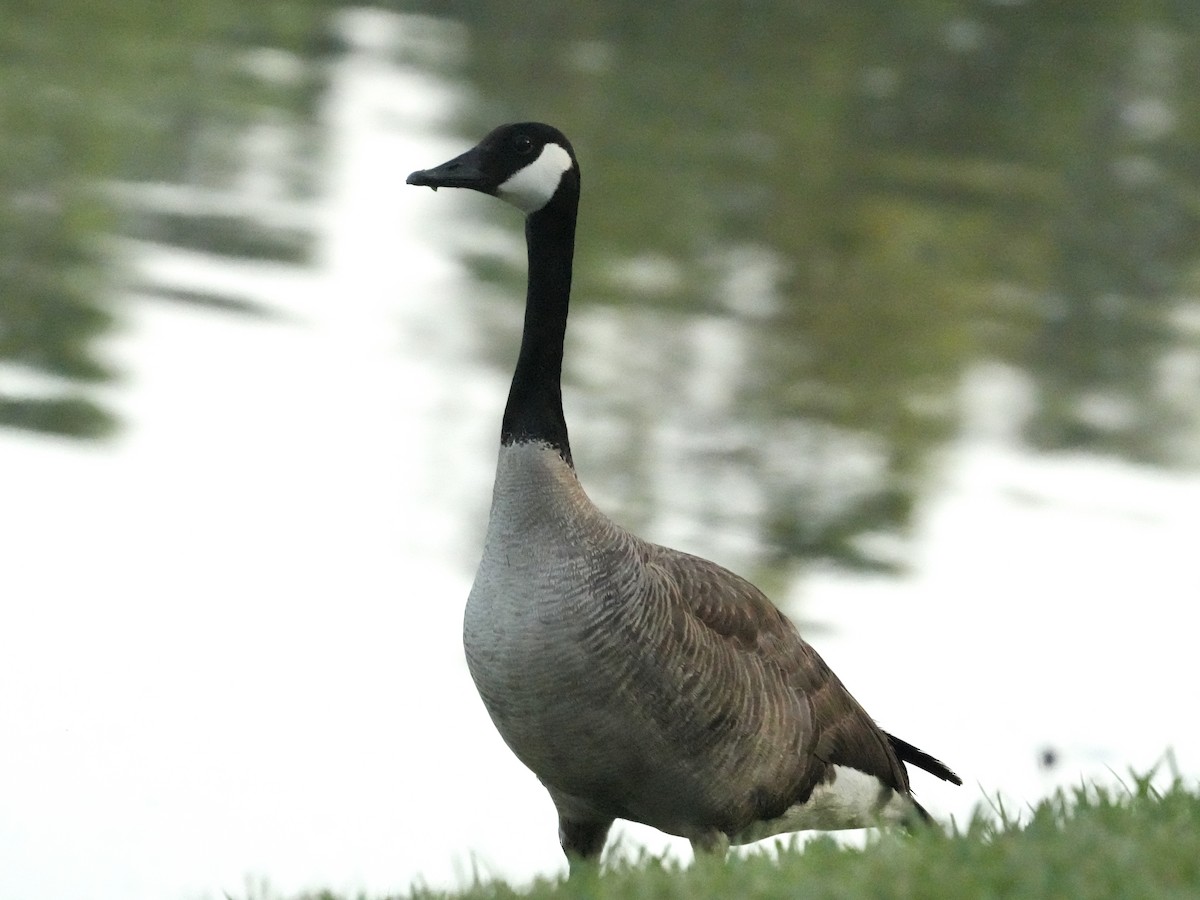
754,646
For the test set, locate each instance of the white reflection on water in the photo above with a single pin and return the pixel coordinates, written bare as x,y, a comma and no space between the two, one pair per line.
229,640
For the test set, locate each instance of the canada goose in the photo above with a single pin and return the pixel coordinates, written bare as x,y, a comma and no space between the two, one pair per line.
639,682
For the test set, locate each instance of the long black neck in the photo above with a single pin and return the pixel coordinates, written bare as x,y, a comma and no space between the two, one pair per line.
534,411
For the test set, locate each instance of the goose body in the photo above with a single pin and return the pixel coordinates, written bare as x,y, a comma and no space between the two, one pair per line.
638,682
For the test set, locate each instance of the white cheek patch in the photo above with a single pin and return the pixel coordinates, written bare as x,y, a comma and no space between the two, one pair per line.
532,187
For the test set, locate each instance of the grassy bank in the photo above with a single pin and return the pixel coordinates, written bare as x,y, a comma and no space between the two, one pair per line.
1138,843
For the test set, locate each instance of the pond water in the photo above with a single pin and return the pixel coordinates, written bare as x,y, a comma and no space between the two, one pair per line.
925,369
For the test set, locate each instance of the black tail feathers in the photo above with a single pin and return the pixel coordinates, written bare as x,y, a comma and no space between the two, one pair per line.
922,760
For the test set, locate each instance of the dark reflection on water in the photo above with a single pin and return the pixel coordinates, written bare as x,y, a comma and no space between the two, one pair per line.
878,196
99,102
812,218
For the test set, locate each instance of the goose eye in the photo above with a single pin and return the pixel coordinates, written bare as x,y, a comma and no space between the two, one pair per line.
522,144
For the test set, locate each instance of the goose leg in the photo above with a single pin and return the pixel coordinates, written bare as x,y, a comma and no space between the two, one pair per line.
711,845
582,841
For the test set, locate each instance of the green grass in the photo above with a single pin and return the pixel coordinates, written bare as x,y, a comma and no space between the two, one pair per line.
1139,842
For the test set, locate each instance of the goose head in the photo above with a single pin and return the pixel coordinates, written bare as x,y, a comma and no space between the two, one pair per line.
527,164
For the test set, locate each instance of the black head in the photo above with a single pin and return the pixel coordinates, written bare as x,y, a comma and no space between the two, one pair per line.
525,164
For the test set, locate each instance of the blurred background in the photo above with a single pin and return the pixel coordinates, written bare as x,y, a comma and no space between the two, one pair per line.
892,309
